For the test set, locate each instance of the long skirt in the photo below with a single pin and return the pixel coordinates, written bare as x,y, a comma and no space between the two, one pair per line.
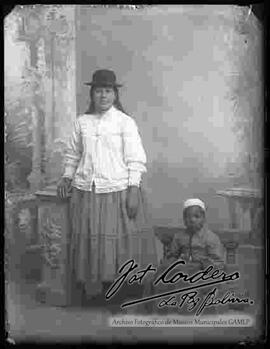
102,238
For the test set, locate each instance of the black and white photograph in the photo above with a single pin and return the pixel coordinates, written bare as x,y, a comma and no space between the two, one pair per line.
134,174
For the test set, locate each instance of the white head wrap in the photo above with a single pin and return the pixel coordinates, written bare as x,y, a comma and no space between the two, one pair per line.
194,202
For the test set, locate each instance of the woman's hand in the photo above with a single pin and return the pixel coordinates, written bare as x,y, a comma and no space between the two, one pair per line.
64,187
132,201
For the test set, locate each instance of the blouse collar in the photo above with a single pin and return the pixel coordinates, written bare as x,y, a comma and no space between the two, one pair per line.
109,113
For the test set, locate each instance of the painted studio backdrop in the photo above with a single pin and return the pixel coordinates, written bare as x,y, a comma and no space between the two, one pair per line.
192,80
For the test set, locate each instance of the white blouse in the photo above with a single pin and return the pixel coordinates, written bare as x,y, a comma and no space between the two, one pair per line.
106,150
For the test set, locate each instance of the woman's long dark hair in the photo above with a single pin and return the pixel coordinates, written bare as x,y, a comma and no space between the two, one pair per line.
117,104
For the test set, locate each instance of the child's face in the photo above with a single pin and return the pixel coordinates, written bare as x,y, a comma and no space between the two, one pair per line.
194,218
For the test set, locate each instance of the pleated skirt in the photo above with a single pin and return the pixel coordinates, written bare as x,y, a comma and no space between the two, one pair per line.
102,238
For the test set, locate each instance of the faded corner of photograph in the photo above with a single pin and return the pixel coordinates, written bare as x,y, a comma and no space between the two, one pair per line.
134,206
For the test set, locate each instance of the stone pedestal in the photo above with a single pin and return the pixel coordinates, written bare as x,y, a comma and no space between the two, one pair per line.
243,204
53,232
21,240
244,240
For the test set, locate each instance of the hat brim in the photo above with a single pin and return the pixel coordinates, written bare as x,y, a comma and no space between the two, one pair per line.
96,84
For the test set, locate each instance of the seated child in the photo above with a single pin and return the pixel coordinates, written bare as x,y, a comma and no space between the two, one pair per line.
197,246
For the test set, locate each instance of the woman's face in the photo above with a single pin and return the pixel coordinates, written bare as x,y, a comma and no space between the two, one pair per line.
194,218
103,98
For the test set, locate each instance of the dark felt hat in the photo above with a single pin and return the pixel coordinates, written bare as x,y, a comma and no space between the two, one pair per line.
103,77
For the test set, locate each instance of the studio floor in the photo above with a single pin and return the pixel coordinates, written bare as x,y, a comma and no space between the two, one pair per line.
30,321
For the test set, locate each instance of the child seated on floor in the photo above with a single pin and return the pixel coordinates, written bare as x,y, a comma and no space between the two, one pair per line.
198,246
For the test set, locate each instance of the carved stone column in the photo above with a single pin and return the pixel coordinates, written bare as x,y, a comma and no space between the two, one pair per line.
35,178
30,32
60,93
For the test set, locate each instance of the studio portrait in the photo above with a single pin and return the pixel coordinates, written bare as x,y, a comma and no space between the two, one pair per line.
134,198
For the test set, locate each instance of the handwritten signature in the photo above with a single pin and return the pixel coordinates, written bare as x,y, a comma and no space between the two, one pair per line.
130,273
192,300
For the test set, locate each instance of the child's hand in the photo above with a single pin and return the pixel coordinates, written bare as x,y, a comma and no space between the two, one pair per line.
168,261
192,267
184,257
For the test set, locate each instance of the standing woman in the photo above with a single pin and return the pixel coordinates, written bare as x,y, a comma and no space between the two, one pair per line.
104,164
